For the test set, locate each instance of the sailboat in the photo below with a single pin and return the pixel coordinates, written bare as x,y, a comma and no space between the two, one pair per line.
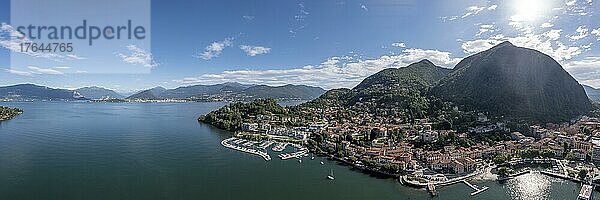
330,176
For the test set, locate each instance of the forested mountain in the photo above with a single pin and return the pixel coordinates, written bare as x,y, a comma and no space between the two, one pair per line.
514,82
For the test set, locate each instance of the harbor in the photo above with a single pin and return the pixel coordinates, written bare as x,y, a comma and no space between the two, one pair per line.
297,154
242,145
251,147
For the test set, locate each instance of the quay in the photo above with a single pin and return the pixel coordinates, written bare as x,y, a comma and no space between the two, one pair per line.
297,154
237,141
477,190
511,176
557,175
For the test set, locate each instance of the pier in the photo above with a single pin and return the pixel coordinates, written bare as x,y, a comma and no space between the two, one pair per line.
297,154
279,147
431,189
474,187
265,144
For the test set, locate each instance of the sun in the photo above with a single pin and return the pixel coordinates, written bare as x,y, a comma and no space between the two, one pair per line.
530,10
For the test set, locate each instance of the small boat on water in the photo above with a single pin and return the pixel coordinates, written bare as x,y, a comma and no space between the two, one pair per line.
322,163
330,176
300,160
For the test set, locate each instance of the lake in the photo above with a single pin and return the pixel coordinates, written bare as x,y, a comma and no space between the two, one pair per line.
80,150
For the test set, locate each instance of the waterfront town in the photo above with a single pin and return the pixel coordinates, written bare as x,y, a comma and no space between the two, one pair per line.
419,155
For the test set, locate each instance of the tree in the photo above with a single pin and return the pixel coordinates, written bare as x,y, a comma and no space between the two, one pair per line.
570,156
546,153
503,172
501,159
582,174
530,153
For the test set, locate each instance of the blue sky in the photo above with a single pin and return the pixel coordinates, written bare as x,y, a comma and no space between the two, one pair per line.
322,43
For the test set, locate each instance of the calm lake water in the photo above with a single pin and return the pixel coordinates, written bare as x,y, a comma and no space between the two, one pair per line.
58,150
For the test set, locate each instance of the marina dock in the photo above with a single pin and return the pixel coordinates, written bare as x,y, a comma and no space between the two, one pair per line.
474,187
265,144
297,154
238,144
279,147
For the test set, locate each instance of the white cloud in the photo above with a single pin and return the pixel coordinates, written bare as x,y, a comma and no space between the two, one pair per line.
18,72
300,20
473,10
586,70
364,7
215,49
559,51
547,25
449,18
138,56
596,32
335,72
255,50
75,57
553,34
399,44
35,70
578,7
470,11
248,17
582,32
11,39
476,46
485,28
39,70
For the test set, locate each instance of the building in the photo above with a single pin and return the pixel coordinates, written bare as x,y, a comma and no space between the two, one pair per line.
516,136
579,154
586,193
482,118
249,126
539,132
464,165
596,154
429,136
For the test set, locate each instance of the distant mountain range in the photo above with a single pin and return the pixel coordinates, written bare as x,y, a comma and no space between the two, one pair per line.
98,93
217,92
230,91
31,92
592,93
